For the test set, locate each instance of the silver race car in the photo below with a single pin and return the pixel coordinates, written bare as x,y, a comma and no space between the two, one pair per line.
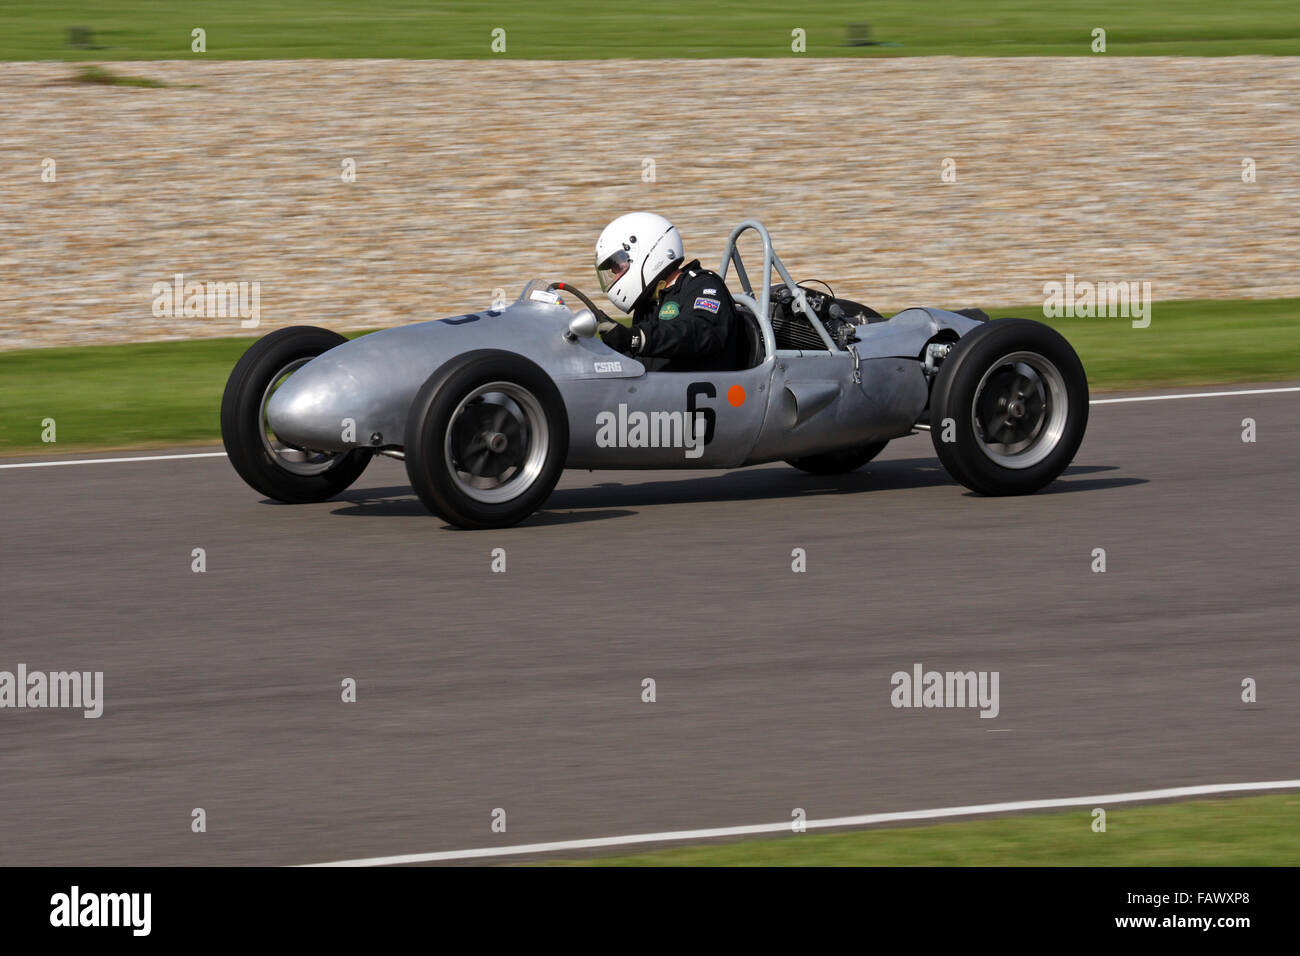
487,409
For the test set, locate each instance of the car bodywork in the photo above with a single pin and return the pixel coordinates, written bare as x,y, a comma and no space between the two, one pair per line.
793,403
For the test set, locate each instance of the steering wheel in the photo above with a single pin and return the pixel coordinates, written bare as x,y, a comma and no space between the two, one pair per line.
581,296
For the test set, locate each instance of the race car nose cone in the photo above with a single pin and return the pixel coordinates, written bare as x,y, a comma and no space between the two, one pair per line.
312,410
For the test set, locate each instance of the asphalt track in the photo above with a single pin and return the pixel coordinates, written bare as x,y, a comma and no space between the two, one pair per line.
522,690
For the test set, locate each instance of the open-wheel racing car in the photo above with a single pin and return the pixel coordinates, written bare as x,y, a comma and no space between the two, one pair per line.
486,409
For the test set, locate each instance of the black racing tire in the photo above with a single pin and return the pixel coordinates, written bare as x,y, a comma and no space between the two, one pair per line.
838,462
1009,407
486,439
245,433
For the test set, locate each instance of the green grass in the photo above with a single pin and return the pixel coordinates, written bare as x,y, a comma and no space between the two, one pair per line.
1208,342
169,393
1250,831
566,29
115,396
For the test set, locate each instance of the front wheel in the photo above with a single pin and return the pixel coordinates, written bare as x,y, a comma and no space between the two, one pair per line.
280,471
838,462
486,440
1009,407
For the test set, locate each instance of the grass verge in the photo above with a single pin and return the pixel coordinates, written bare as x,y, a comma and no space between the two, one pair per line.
582,29
1246,831
1201,342
169,393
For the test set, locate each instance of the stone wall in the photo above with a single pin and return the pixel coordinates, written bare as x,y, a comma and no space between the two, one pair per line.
473,176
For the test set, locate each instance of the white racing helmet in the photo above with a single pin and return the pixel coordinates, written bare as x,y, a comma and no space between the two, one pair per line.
633,253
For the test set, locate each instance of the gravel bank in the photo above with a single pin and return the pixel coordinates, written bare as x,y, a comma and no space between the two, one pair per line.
472,176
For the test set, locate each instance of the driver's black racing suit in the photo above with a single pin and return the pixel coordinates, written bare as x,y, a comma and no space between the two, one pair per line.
692,324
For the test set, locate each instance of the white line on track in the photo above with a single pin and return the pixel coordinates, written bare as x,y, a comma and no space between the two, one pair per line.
113,461
1165,398
784,827
222,454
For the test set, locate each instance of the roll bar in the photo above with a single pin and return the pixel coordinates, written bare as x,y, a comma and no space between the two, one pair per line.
762,307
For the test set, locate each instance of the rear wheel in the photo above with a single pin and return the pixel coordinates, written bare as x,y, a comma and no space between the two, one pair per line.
1009,407
486,440
838,462
277,470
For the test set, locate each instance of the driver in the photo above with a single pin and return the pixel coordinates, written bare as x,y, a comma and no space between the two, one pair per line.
680,313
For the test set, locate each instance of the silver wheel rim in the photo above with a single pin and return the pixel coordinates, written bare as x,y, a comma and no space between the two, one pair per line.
1020,410
292,459
496,442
